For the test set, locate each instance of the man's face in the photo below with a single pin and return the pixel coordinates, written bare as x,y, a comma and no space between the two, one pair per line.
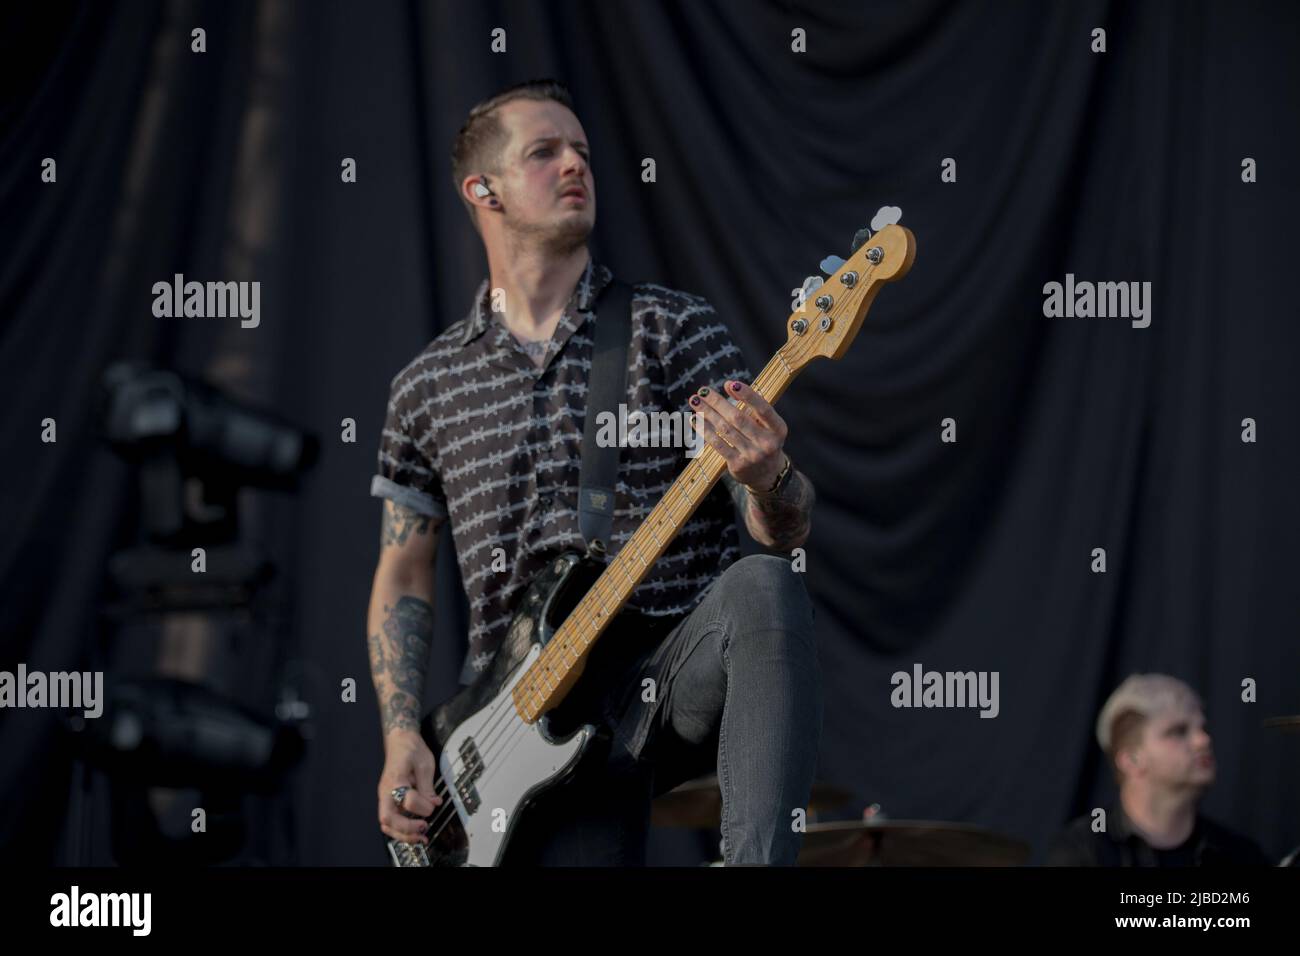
546,156
1176,751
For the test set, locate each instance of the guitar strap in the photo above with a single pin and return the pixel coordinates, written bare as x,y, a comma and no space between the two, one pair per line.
606,388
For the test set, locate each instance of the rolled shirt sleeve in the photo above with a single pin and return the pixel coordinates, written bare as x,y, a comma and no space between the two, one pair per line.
406,474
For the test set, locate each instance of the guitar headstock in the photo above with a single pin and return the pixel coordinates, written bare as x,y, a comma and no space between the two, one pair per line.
828,320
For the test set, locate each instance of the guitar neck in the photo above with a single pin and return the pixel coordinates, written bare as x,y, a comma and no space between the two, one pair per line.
558,667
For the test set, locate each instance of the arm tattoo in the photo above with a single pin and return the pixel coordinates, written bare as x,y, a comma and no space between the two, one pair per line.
400,522
376,645
781,522
399,658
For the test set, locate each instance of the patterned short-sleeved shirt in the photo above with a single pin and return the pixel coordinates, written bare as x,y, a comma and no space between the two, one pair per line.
479,434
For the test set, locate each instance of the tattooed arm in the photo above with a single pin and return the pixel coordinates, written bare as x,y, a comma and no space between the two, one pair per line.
780,521
400,622
400,633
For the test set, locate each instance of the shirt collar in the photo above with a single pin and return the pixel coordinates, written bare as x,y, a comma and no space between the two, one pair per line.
594,278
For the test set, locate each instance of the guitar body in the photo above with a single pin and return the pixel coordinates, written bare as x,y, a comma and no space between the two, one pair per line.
491,764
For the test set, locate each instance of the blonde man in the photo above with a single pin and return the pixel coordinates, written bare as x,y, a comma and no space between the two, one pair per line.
1154,735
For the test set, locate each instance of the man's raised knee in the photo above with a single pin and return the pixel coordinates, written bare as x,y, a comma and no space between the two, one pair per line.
765,586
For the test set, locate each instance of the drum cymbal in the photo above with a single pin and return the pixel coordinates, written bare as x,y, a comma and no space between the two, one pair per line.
1288,725
908,843
698,804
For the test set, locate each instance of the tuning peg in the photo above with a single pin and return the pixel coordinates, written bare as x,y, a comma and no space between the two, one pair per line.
859,237
831,264
886,216
810,285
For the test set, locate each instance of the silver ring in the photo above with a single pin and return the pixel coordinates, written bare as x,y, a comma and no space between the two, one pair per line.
399,794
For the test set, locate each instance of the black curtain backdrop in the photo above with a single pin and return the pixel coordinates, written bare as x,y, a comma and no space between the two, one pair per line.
1073,433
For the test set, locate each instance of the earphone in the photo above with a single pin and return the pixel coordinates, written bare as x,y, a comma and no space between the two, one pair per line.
482,191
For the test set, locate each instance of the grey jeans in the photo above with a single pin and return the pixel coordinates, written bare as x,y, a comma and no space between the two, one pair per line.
736,686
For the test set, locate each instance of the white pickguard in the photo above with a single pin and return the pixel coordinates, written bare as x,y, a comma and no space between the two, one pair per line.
517,759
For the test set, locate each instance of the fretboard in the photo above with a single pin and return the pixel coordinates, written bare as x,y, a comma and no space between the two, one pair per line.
557,668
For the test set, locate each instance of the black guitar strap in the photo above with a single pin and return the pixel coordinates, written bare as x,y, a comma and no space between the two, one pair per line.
606,388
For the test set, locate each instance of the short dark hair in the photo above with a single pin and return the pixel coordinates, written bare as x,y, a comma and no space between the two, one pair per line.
481,139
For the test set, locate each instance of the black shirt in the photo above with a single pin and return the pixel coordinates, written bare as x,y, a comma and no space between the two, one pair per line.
1209,844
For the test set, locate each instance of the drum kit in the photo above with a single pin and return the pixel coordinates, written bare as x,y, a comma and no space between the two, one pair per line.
871,841
874,840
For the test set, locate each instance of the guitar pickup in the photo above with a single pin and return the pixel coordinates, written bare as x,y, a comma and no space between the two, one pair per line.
468,796
471,770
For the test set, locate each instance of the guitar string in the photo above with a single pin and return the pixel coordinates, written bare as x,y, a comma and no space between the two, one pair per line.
517,730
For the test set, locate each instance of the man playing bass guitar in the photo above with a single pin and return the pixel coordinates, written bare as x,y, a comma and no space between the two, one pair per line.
712,662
